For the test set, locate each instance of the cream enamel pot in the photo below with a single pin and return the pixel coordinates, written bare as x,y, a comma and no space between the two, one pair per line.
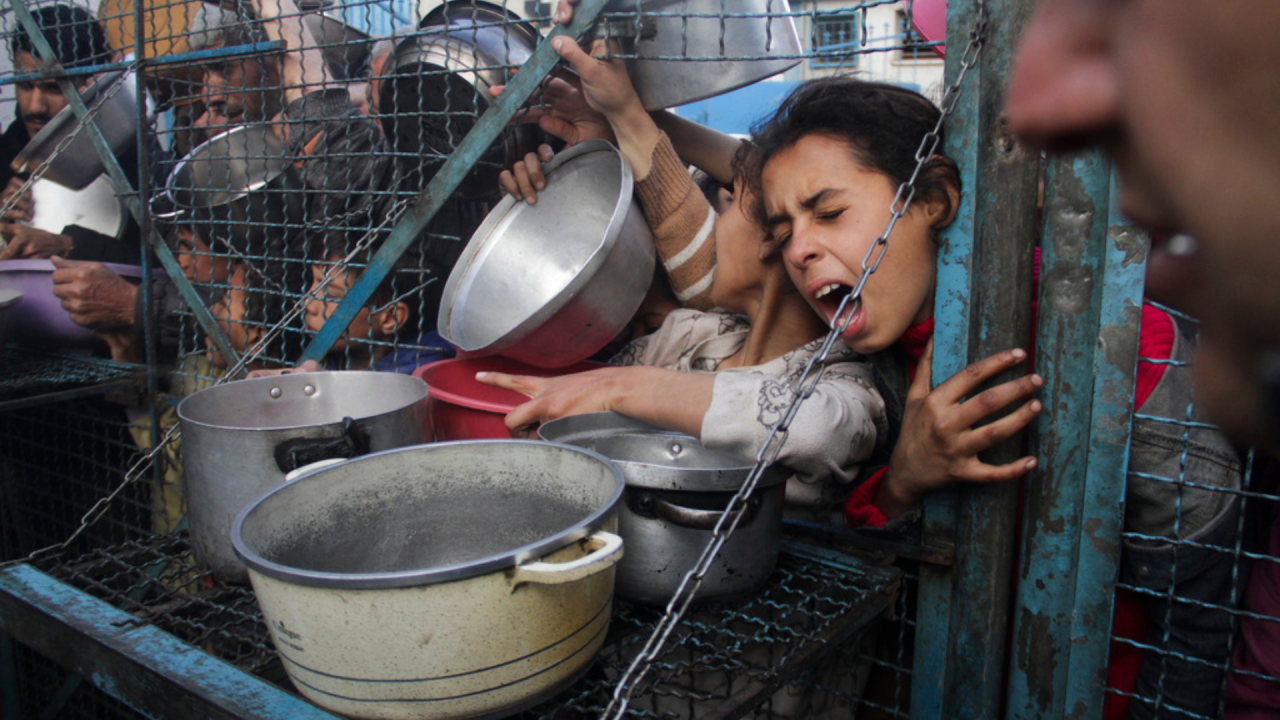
239,440
452,580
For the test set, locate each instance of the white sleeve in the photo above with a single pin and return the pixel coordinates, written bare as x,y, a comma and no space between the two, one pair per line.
833,432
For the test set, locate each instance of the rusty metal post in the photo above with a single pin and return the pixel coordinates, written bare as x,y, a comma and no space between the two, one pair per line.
983,307
1087,341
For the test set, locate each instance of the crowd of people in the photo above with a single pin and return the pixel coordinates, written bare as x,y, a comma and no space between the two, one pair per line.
755,265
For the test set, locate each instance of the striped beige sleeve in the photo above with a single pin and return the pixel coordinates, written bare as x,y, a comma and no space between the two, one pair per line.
682,221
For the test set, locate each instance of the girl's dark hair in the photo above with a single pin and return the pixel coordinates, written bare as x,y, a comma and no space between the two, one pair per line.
882,124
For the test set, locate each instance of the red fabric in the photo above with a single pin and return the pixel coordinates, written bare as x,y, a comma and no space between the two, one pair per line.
1129,620
913,341
1155,342
860,509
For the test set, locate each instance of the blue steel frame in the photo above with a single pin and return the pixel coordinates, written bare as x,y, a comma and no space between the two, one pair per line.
1090,297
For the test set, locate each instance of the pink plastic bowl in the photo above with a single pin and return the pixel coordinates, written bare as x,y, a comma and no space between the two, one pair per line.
39,317
461,408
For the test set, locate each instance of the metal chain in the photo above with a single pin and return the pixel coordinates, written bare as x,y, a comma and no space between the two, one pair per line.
804,387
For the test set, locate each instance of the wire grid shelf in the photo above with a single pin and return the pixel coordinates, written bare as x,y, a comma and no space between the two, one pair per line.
32,372
725,660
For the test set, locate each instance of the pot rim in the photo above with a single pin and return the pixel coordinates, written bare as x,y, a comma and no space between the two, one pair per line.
184,409
674,478
198,153
427,576
485,234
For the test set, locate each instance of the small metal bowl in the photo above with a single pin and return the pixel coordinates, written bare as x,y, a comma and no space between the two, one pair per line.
551,284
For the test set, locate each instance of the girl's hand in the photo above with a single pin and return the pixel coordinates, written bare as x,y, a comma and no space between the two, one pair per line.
555,397
525,178
939,444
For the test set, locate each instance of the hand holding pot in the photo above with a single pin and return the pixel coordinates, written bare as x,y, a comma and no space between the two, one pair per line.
93,295
525,178
29,243
23,206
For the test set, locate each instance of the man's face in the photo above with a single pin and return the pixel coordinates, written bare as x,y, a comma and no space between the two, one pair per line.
1184,96
239,91
40,100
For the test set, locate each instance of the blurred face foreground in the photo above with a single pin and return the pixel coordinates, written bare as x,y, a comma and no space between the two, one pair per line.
1184,96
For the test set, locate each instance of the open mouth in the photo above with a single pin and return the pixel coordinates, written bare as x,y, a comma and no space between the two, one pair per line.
830,297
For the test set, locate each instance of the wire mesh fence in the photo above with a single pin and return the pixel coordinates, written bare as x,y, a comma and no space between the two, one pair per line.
271,148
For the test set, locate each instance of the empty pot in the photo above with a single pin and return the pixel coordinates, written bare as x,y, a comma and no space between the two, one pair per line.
551,284
689,50
441,581
240,439
437,86
240,188
677,490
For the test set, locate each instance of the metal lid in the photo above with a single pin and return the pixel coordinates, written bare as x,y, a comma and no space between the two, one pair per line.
653,457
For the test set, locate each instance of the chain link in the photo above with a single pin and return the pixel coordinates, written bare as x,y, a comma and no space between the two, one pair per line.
804,387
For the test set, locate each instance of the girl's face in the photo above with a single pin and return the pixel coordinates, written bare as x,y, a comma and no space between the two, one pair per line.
826,209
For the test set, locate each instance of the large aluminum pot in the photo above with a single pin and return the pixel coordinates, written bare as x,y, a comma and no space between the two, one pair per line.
436,86
674,45
677,490
75,163
240,439
550,284
240,188
441,581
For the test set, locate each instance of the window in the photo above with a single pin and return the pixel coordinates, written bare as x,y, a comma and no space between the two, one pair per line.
912,46
835,38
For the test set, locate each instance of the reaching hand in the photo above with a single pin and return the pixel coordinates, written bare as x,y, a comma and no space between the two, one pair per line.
26,242
93,295
939,444
23,207
565,113
555,397
525,178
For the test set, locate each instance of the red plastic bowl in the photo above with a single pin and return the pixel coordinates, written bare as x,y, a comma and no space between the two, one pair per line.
461,408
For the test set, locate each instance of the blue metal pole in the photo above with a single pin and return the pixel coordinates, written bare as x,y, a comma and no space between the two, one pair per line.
450,175
124,186
983,306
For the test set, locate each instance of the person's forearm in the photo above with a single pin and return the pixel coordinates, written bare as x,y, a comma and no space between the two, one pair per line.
637,135
711,151
893,499
670,398
303,68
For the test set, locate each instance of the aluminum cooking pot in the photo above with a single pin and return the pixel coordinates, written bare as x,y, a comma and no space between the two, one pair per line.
341,44
77,164
437,85
240,188
677,490
240,439
756,38
550,284
452,580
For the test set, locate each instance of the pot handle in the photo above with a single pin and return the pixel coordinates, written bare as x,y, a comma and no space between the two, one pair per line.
297,453
606,551
696,519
